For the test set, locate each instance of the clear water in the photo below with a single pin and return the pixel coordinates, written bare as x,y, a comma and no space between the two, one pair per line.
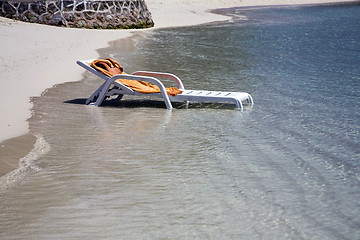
288,168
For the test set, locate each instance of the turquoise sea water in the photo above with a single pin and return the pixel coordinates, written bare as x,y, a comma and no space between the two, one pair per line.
288,168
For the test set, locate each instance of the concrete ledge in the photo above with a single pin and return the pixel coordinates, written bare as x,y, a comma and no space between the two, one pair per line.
115,14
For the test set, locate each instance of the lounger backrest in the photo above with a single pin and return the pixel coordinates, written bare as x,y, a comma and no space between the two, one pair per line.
86,65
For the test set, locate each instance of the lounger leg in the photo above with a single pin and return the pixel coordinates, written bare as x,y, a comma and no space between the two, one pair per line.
95,94
251,100
103,91
164,95
167,101
239,104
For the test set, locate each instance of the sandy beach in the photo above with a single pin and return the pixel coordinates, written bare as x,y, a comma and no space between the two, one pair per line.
36,57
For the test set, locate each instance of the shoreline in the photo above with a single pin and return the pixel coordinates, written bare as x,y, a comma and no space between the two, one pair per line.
29,73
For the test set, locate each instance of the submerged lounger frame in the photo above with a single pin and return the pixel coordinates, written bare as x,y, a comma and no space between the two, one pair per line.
112,87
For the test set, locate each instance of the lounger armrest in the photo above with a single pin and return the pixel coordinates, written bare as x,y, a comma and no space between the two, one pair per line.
162,75
139,78
146,79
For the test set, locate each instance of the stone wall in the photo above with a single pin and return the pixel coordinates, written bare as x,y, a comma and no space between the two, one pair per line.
115,14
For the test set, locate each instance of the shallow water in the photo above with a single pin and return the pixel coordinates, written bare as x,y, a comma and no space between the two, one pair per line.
288,168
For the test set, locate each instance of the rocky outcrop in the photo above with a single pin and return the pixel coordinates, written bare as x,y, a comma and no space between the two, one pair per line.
116,14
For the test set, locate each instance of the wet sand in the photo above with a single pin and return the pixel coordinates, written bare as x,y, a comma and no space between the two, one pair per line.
12,150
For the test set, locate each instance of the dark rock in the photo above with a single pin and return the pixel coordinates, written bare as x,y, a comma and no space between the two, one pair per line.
109,18
69,17
80,7
95,25
23,18
45,17
102,6
80,23
52,8
89,15
35,7
56,19
100,17
9,9
68,5
95,6
22,8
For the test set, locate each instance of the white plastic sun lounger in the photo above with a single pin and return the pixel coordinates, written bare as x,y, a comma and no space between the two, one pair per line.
111,87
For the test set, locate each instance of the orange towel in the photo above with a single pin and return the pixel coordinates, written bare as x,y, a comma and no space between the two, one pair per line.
110,67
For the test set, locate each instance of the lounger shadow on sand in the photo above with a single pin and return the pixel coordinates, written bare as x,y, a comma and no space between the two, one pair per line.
112,87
